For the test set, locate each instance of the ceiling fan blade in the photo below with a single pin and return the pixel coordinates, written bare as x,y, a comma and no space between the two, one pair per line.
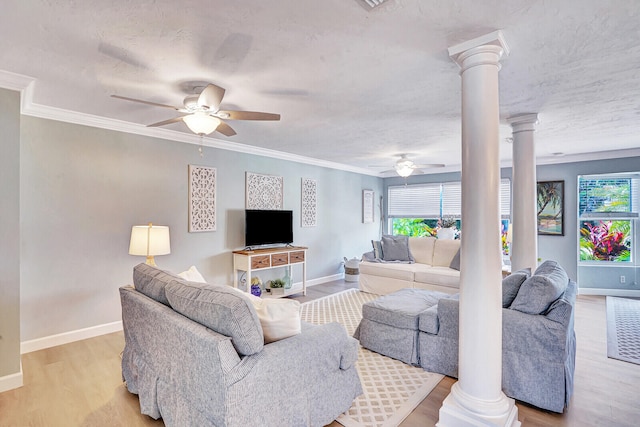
225,129
248,115
166,122
145,102
211,97
430,165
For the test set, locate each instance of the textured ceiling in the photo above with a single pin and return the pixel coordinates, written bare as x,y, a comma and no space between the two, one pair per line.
353,85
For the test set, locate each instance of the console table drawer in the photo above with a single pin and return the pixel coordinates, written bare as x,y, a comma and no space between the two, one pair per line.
260,261
279,259
297,256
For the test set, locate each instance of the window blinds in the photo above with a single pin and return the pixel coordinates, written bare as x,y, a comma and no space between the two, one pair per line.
608,196
414,201
436,200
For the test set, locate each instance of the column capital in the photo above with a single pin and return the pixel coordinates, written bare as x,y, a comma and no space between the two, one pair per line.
492,42
523,122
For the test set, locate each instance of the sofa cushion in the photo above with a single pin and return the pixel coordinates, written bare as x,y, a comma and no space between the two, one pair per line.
455,262
511,285
221,309
444,251
443,276
151,281
401,308
539,291
390,270
396,248
422,249
377,249
428,319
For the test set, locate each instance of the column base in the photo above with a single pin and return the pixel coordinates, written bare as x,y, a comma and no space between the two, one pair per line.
462,410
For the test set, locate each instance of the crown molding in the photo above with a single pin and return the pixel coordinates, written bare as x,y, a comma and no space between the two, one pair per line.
26,85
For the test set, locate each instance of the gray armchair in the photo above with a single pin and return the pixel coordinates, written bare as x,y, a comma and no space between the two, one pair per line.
192,375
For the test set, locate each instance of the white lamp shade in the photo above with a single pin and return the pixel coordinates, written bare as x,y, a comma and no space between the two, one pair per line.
149,240
201,123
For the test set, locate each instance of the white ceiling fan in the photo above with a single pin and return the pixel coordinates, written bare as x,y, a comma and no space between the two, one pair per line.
406,167
202,114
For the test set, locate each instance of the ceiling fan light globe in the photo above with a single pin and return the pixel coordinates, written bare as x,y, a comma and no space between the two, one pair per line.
404,167
404,170
201,123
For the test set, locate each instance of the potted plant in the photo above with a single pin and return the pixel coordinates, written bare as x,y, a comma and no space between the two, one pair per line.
277,286
447,228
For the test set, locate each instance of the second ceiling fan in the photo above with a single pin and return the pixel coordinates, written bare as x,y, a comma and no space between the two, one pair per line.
202,114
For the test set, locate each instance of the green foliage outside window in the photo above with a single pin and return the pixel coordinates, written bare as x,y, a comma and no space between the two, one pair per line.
414,227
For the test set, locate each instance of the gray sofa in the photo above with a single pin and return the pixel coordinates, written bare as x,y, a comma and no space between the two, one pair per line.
216,370
538,337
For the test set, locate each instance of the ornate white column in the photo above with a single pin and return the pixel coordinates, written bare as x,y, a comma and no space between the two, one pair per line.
524,241
477,398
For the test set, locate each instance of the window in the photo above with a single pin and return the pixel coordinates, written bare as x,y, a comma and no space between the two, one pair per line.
415,210
607,208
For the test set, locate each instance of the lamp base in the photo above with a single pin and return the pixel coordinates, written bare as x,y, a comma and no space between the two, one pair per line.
151,261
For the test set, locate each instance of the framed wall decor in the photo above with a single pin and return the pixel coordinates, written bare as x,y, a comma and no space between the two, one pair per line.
550,200
264,192
309,201
367,206
202,198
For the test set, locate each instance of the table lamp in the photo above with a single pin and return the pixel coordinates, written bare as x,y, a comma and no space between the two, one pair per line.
149,240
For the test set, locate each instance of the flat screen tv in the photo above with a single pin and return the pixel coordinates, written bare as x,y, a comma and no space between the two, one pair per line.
264,227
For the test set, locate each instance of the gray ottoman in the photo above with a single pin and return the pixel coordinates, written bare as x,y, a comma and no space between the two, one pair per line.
389,324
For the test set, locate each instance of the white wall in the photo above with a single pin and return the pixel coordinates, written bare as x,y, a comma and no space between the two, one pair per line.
83,188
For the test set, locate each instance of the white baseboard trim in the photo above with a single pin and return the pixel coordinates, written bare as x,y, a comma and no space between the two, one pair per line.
610,292
94,331
9,382
321,280
67,337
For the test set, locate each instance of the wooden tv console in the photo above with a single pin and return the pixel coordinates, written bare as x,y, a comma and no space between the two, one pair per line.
249,261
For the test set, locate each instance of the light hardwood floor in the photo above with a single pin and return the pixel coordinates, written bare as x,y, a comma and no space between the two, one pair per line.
79,384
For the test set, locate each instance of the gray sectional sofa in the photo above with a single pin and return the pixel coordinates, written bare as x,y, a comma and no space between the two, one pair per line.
420,327
195,355
538,337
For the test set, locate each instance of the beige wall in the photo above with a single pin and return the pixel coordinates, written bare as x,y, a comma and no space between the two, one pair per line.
9,233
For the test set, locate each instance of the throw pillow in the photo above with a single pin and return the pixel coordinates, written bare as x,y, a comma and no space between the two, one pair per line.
455,262
511,285
539,291
377,249
396,248
192,275
280,318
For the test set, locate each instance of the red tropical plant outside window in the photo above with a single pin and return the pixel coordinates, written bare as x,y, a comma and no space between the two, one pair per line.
605,241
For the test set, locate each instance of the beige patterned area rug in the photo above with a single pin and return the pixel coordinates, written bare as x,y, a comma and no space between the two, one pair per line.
392,389
623,329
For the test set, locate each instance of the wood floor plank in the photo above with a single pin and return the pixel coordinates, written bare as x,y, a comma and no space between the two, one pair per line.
80,384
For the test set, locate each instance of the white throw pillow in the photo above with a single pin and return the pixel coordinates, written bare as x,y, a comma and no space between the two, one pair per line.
280,318
192,275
